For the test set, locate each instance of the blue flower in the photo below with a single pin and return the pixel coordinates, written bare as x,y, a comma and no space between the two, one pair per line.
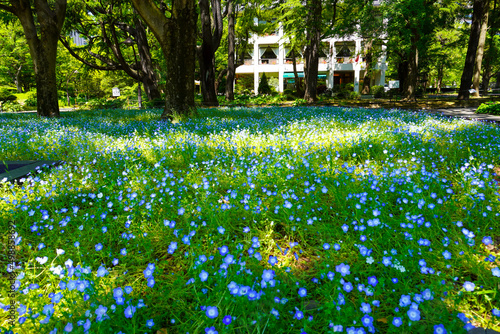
212,312
227,320
150,323
223,250
302,292
496,271
372,280
211,330
495,312
348,287
469,286
246,229
101,312
129,311
343,269
69,327
267,275
397,321
365,308
439,329
487,240
101,271
204,275
326,246
98,247
446,255
298,314
272,260
405,300
221,229
367,320
413,314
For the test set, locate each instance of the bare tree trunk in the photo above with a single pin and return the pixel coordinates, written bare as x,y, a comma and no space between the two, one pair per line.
311,53
17,80
206,52
410,84
440,75
177,38
480,51
42,43
368,69
475,32
300,94
148,76
231,41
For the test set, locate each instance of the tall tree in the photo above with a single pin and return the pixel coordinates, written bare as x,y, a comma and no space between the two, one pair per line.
112,30
175,29
480,50
231,41
42,22
491,57
311,52
470,59
211,33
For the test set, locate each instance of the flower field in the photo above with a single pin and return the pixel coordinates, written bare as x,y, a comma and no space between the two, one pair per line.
265,220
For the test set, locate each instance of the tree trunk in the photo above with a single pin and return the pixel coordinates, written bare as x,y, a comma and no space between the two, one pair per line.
440,75
402,74
177,38
17,80
206,53
42,43
480,50
410,85
296,75
368,69
231,41
475,32
148,76
311,53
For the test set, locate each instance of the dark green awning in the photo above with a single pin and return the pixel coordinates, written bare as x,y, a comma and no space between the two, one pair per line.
301,75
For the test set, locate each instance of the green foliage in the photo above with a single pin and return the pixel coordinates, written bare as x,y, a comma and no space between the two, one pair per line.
264,87
31,100
346,91
105,103
6,95
378,91
11,106
492,108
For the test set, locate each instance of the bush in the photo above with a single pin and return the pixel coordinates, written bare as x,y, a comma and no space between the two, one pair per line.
378,91
11,106
492,108
155,103
6,95
105,104
31,101
264,87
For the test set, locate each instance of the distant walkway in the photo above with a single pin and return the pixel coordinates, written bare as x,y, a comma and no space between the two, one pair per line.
465,112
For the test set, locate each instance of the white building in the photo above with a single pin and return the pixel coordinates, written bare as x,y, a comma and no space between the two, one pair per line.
341,61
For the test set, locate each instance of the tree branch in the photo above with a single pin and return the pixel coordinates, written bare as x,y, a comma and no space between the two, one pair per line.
112,66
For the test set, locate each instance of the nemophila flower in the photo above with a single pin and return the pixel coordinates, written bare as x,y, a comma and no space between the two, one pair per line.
397,321
181,211
367,320
68,328
221,229
405,300
275,313
150,323
496,271
212,312
302,292
326,246
343,269
101,271
447,255
203,275
495,312
376,212
151,282
487,240
86,325
227,320
272,260
211,330
42,260
413,314
223,250
246,229
298,314
100,312
372,280
129,311
347,287
386,260
469,286
60,251
439,329
365,308
98,247
330,275
267,275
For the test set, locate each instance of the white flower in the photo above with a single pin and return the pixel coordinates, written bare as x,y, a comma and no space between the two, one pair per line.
369,260
60,251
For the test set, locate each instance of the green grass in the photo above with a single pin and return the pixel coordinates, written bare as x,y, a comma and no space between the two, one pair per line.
392,204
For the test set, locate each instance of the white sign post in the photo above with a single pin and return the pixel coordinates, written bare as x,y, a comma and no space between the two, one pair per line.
116,92
394,84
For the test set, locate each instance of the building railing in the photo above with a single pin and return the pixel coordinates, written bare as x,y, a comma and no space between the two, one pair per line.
247,61
290,61
268,61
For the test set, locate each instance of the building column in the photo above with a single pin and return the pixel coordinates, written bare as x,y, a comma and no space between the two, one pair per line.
331,65
383,65
256,68
356,66
281,65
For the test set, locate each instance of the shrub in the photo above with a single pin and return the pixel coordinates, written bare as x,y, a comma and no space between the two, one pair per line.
11,106
378,91
105,104
6,95
321,89
31,101
264,87
155,103
492,108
